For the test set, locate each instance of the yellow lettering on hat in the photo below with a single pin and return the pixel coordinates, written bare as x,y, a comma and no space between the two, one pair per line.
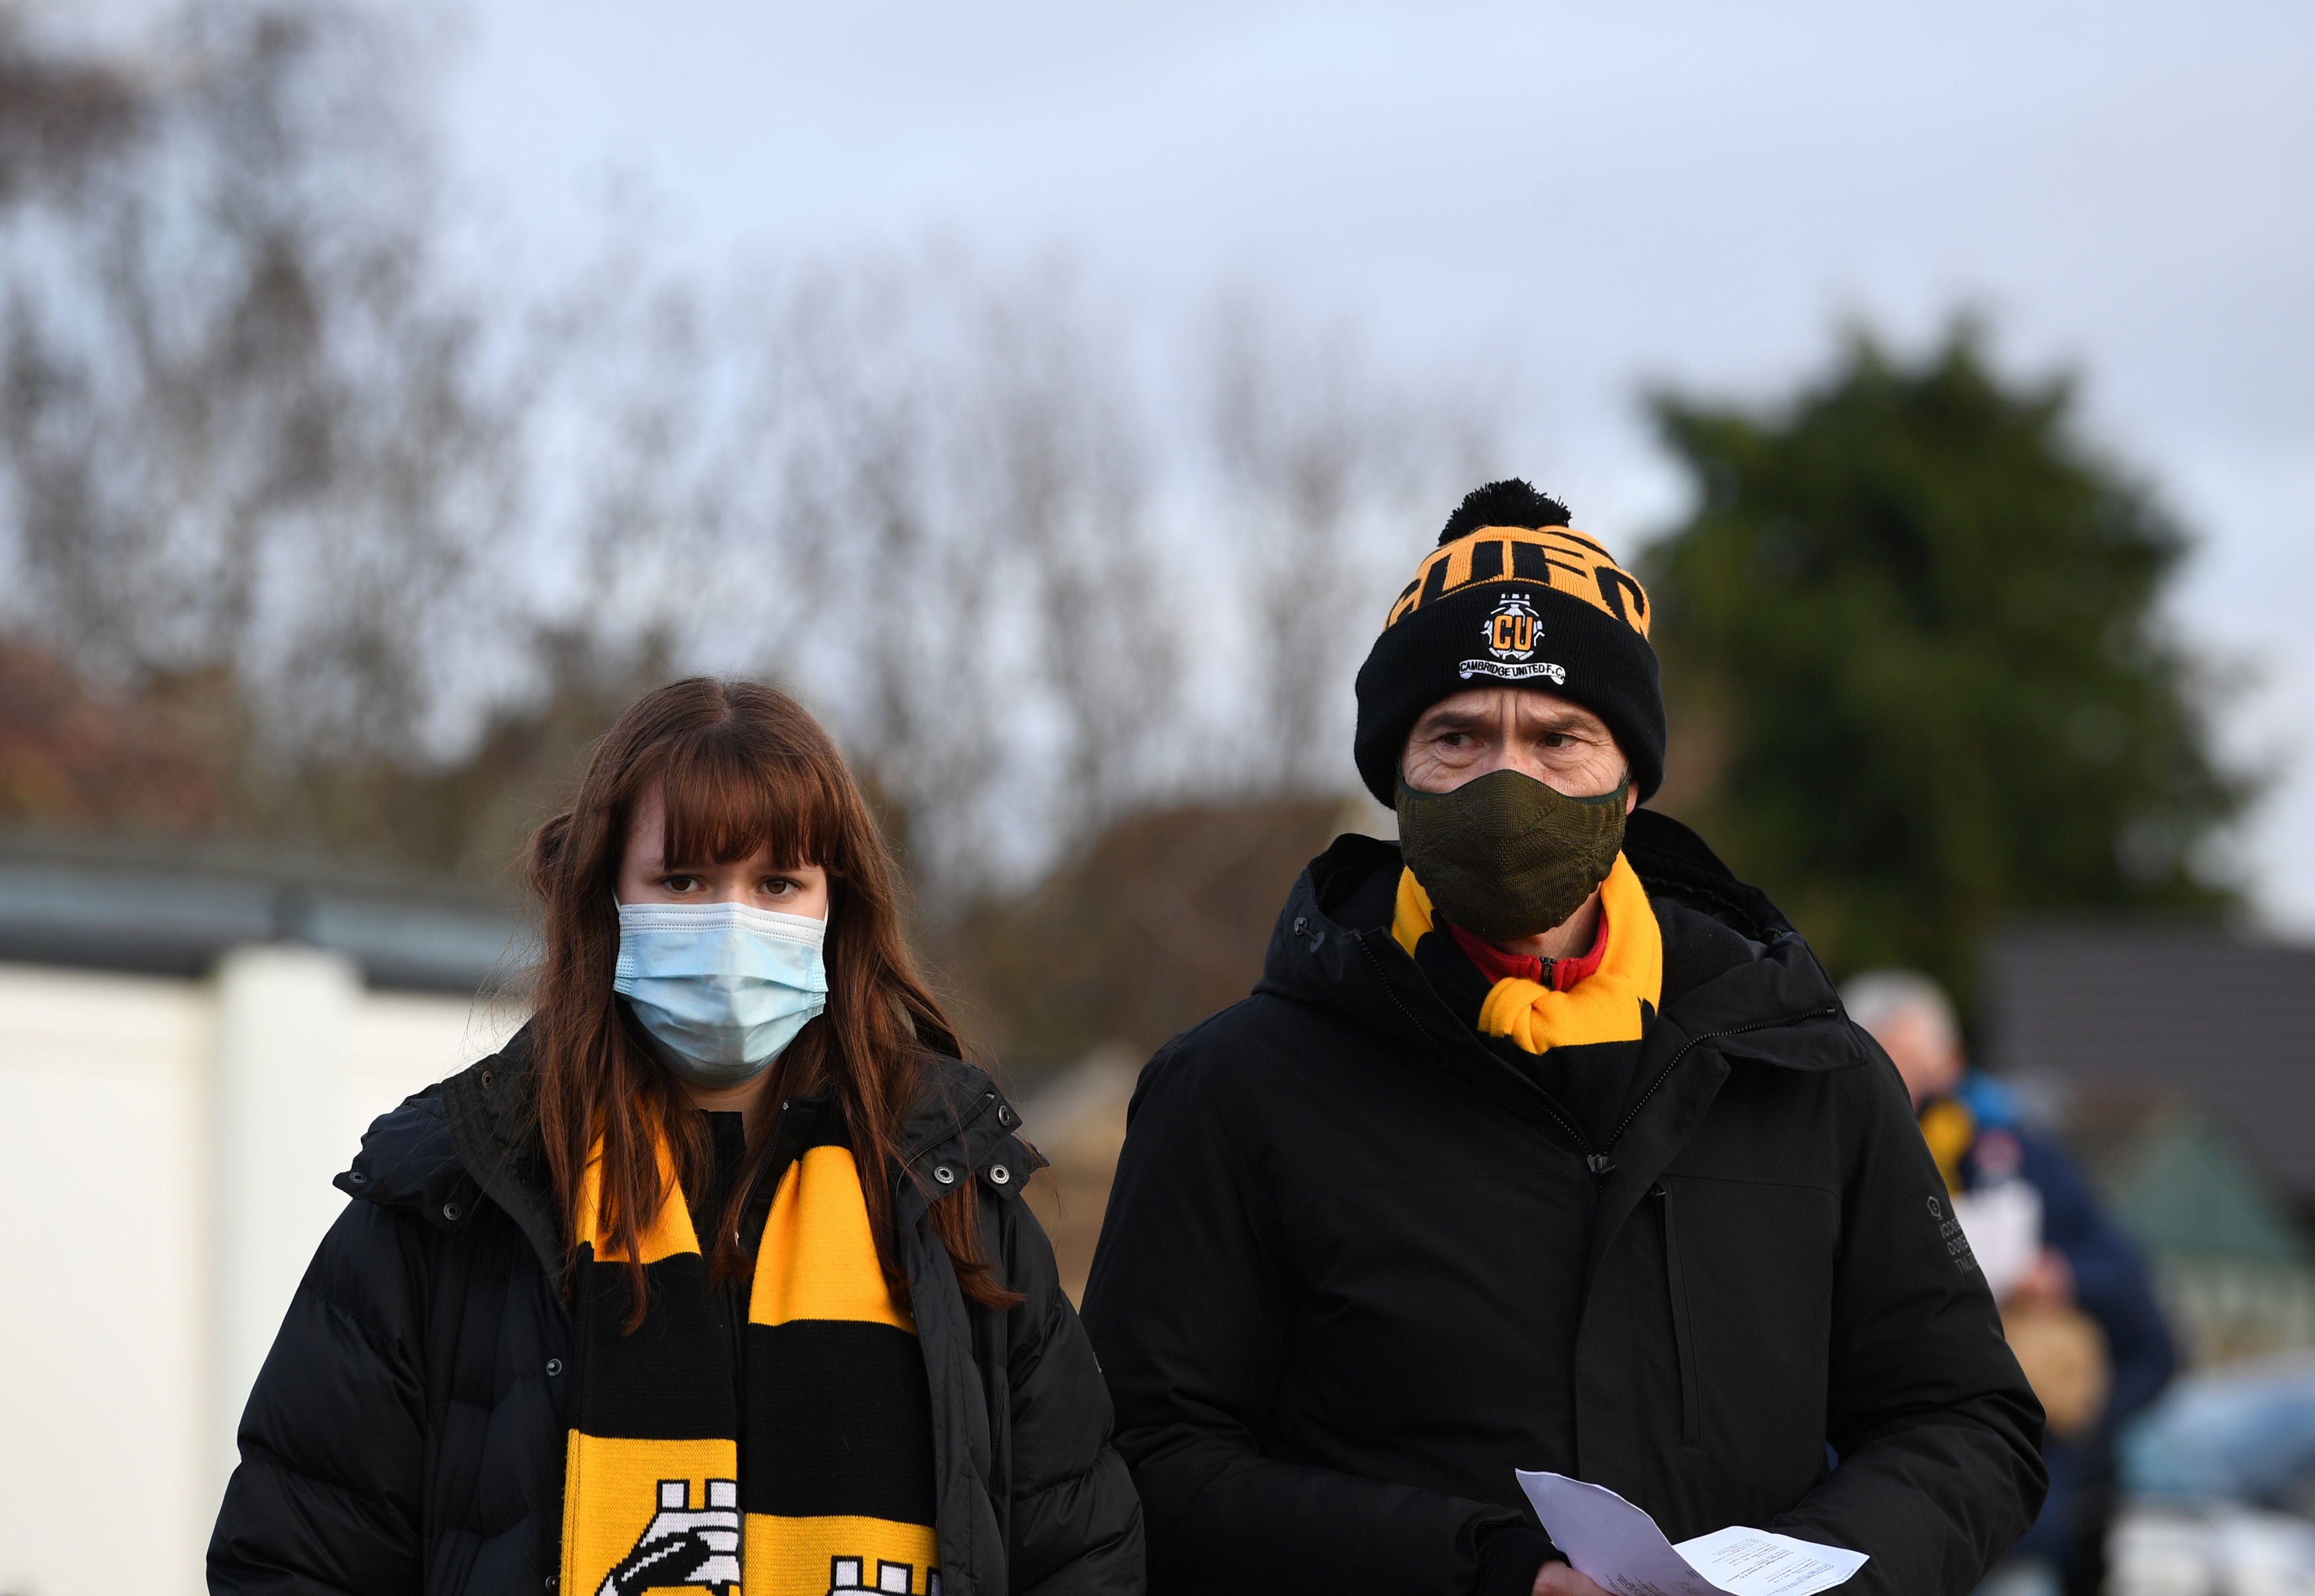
1560,558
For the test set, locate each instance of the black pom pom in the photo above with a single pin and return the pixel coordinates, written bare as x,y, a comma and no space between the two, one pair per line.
1509,502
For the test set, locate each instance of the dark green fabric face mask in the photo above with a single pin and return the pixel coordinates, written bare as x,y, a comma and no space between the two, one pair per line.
1505,856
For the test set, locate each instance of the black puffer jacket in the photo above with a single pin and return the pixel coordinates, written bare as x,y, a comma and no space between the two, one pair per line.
1358,1268
407,1432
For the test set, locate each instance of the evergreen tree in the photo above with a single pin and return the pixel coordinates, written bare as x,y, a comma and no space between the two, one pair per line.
1913,646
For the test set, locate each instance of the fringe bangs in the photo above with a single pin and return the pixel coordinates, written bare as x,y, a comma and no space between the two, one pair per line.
727,795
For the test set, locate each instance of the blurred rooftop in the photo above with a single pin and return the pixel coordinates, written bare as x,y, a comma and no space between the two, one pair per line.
174,909
2115,1015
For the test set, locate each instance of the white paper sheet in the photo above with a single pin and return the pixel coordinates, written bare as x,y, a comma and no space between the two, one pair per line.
2003,1222
1620,1549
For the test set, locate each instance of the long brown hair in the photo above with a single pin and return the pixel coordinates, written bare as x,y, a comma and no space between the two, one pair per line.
738,766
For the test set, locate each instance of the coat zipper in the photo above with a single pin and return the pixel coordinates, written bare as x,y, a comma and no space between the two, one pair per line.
1634,1112
1683,1344
1675,1280
1595,1162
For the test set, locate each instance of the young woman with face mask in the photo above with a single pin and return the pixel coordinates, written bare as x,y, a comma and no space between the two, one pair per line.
717,1275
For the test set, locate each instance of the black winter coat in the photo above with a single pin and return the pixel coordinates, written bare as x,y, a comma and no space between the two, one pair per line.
1358,1268
406,1434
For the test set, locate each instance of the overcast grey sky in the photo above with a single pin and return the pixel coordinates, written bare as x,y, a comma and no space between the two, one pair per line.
1696,193
1608,195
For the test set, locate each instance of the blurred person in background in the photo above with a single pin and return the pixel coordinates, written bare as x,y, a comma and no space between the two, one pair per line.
1542,1144
717,1272
2075,1298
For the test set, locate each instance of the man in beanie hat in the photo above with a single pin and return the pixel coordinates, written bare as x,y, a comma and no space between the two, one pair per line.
1544,1143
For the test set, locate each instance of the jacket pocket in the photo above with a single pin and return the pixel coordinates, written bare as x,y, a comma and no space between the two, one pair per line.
1683,1341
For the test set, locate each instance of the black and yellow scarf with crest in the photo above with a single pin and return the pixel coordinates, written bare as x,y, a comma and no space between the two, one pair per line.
811,1473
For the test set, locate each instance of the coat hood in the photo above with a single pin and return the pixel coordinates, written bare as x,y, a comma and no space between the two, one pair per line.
469,1137
408,1161
459,1140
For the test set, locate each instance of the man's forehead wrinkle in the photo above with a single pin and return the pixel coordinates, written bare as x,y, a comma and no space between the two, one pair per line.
1511,714
1554,713
1528,708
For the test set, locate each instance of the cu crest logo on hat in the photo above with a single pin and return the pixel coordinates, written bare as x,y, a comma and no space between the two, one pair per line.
1510,634
1511,631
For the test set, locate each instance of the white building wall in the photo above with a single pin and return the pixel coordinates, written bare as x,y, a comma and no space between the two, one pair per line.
165,1151
278,1091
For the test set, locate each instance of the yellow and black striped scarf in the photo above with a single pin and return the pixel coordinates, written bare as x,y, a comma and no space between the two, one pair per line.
1610,1006
813,1474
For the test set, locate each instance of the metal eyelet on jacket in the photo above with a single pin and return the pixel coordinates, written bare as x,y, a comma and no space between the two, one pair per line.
945,1175
487,1079
998,1175
1007,1117
357,1177
451,1211
553,1367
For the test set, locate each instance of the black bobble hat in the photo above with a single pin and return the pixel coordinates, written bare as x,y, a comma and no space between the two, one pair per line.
1514,595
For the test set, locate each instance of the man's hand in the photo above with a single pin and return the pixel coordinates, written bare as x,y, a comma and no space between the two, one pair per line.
2050,1281
1557,1579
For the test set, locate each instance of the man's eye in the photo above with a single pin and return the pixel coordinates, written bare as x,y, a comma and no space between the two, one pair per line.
1555,740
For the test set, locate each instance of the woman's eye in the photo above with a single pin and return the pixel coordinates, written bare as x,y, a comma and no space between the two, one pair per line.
778,886
678,883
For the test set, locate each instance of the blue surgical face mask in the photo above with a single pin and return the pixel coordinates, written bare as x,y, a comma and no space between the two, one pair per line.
720,988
